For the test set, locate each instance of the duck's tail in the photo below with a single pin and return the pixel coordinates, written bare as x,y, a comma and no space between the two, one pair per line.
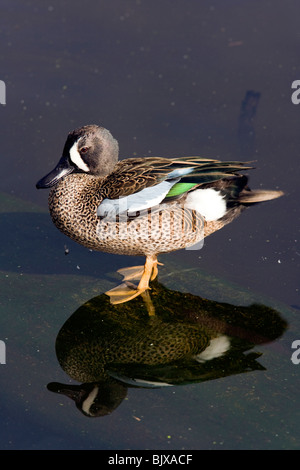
258,195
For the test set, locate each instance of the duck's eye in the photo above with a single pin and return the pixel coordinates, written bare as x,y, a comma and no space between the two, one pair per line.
84,149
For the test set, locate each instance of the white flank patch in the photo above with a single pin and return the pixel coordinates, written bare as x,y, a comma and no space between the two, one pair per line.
216,348
148,197
86,405
208,202
76,158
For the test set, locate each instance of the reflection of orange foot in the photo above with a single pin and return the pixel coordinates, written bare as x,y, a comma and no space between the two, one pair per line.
123,293
128,291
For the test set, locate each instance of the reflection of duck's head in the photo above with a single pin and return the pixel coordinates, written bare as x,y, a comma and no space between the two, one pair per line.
93,399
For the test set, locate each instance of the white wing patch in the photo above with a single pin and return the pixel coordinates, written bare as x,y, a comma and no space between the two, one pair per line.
148,197
208,202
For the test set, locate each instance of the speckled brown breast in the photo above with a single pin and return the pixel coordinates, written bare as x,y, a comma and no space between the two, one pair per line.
73,207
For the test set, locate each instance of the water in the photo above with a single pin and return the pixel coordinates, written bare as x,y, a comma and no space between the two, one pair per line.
168,79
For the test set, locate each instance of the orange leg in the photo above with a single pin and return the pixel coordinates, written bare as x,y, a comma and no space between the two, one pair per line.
150,273
128,291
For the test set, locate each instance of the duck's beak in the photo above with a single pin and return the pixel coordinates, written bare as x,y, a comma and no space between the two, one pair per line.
63,168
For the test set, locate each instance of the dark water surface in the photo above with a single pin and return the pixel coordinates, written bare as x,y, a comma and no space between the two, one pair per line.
168,79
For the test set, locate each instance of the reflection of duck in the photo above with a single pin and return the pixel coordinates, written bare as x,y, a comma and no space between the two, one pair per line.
141,206
189,339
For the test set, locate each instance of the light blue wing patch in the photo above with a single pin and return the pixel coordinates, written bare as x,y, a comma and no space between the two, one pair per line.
145,199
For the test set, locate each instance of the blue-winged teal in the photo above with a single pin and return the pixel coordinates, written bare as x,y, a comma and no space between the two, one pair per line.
141,206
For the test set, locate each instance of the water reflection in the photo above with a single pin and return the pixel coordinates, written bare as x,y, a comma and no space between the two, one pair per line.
167,339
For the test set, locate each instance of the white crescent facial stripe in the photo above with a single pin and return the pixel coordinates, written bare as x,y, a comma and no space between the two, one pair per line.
76,158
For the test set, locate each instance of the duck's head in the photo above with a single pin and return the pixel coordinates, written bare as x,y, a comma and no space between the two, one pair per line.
93,399
89,149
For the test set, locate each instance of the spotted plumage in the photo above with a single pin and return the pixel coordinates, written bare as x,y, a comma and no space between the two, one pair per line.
141,206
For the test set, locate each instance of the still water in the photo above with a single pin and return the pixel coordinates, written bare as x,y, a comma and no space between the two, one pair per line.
168,79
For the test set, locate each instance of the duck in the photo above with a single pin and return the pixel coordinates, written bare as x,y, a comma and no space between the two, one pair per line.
142,206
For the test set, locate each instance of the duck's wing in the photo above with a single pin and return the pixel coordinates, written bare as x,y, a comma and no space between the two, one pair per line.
135,174
141,183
